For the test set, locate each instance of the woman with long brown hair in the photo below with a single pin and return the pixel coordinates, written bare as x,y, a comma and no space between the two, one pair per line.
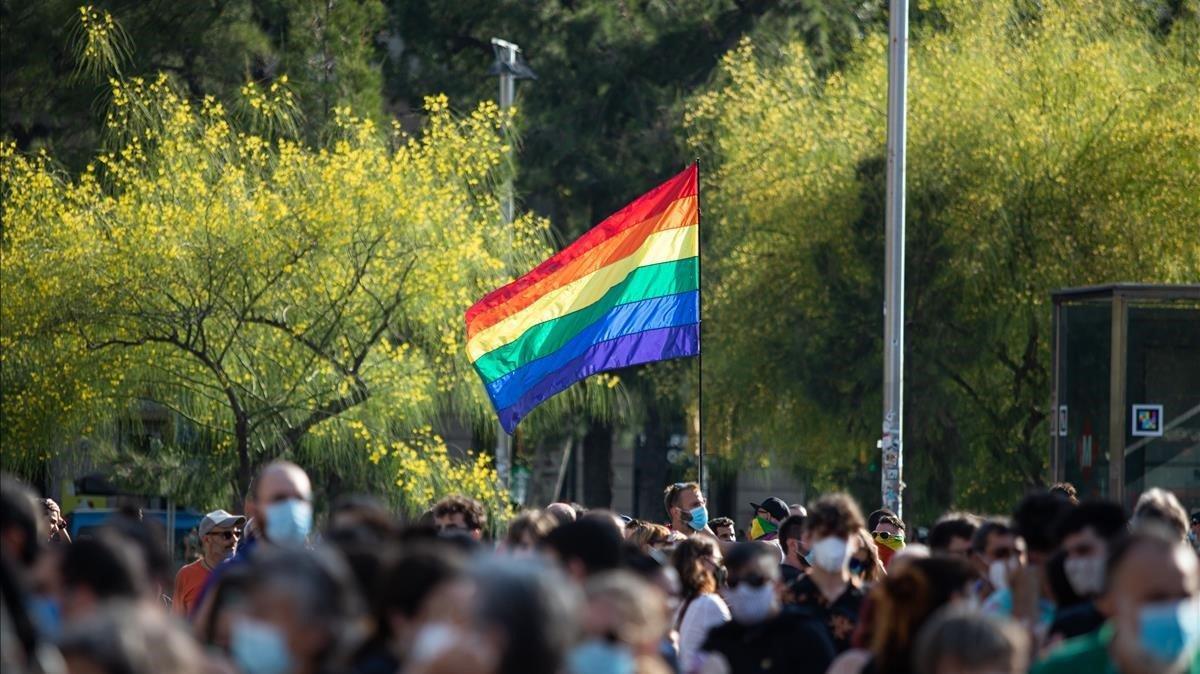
902,603
697,560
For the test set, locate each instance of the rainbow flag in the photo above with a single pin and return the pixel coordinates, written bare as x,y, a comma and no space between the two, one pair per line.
627,292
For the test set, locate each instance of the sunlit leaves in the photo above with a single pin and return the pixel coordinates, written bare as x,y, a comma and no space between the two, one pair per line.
215,265
1045,150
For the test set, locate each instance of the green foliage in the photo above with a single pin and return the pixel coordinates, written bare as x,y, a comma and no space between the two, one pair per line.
329,49
1047,149
274,298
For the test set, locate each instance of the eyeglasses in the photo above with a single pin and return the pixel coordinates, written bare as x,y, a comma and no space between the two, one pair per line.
227,535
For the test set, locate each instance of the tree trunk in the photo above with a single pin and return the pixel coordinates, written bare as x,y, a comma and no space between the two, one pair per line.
651,467
241,428
597,466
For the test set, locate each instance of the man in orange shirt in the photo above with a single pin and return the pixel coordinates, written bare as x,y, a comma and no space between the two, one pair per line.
219,533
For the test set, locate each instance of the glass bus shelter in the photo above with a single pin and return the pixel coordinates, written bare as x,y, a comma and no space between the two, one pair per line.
1126,391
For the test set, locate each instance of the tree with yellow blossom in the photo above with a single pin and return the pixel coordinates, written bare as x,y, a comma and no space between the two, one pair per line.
277,298
1050,145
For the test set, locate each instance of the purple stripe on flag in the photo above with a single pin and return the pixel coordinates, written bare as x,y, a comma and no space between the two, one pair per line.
635,349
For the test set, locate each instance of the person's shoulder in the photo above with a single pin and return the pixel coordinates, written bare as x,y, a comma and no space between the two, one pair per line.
191,569
710,602
795,622
803,582
1087,653
999,603
724,633
789,573
853,661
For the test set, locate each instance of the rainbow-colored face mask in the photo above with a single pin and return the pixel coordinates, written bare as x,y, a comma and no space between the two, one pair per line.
761,526
889,544
891,541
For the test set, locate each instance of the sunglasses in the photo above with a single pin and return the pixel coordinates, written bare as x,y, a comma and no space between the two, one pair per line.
227,535
753,580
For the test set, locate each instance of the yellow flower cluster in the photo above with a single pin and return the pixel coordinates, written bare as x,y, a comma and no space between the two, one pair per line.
1044,151
209,256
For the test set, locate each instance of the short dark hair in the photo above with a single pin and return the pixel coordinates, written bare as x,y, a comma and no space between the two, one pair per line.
741,555
474,516
18,509
107,566
985,530
413,575
146,537
835,513
596,543
873,518
888,519
671,493
948,529
1065,489
1035,517
790,529
1106,517
721,522
536,523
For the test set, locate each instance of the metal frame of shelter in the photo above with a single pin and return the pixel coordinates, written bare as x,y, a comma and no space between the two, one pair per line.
1120,295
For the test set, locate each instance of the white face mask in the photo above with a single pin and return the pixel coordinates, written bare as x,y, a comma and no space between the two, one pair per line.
998,572
751,605
432,640
830,554
1085,574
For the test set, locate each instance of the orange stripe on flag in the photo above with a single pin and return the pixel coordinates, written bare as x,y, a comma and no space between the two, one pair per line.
680,213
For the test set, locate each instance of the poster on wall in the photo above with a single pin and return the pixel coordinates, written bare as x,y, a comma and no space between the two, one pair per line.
1147,421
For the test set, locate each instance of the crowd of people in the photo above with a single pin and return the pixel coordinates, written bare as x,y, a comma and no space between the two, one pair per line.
1061,586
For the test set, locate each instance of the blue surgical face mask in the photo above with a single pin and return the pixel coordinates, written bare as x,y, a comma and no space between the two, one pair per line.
1170,630
699,516
46,613
600,657
289,522
259,648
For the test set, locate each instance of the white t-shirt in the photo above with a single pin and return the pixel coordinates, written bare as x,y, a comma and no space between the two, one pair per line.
703,613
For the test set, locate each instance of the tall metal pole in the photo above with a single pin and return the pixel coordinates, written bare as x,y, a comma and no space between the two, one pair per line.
700,330
892,444
506,55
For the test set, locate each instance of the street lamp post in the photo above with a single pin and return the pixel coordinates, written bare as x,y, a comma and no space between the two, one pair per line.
510,68
892,464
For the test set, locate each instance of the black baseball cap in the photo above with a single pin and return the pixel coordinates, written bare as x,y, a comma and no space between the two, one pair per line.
775,506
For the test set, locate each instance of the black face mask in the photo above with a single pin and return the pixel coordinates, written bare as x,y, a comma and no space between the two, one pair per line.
857,567
722,576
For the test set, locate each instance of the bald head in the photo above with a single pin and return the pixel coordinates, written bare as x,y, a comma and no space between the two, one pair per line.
1145,569
279,481
562,512
282,503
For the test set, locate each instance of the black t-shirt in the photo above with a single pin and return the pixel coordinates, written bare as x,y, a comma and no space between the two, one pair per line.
1077,620
792,641
840,616
790,573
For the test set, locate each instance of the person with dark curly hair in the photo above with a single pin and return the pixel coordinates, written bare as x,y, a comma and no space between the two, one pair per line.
827,590
460,513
